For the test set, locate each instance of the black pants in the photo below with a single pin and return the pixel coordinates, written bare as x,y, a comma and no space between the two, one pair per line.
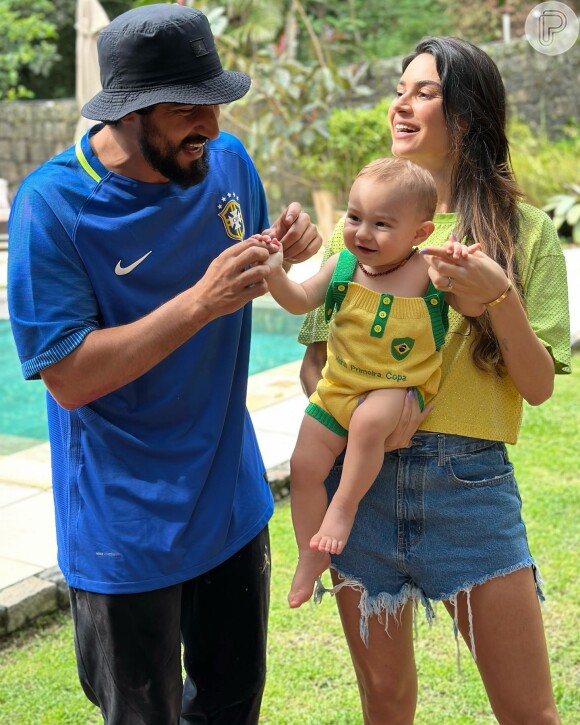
128,646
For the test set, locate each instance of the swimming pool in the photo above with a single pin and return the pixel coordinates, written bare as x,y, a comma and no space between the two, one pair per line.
22,403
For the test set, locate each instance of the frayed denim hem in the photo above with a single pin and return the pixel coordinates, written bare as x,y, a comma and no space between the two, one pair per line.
387,605
382,605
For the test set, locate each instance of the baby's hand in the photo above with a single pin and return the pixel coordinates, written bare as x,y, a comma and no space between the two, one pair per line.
275,248
452,251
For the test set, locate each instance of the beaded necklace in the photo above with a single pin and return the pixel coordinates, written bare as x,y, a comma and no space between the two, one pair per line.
402,263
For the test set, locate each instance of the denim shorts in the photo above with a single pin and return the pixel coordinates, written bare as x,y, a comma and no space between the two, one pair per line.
443,516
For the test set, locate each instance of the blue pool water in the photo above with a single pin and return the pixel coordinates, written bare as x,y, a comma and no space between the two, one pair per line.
22,412
22,403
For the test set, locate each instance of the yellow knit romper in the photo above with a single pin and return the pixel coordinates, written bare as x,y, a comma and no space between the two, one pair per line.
376,341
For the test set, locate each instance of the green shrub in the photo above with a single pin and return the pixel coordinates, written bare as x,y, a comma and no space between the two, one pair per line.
353,137
565,211
544,167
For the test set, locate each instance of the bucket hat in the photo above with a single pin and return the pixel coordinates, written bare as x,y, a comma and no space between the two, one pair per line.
160,54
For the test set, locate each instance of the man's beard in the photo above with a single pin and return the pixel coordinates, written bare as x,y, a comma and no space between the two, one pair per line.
163,157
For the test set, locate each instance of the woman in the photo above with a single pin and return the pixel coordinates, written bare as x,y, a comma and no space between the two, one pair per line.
442,522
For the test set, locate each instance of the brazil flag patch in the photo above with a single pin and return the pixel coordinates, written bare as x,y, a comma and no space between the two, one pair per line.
401,347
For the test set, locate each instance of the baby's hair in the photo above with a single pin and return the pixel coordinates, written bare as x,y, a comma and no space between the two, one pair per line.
416,183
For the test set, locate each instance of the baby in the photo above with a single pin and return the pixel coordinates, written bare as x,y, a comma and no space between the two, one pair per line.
387,326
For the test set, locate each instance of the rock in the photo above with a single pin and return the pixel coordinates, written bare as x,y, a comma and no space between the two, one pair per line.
25,601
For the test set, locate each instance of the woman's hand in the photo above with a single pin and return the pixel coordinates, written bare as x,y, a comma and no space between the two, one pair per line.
465,271
410,420
478,280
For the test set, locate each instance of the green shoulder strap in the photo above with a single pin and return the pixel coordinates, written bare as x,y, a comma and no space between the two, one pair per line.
439,313
338,286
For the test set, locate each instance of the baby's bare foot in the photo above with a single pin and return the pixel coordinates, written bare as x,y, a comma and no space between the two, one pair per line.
310,566
334,530
320,542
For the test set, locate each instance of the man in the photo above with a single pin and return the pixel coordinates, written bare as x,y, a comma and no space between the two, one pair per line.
128,288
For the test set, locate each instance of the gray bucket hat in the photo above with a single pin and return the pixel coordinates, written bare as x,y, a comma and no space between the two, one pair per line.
160,54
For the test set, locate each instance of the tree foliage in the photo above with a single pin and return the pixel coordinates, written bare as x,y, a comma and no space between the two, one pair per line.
291,97
37,38
481,20
376,29
27,43
37,46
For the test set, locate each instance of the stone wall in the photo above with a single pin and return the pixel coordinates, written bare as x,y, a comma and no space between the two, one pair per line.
542,90
32,132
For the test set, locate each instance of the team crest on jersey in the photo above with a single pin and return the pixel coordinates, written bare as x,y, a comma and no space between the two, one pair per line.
401,347
230,211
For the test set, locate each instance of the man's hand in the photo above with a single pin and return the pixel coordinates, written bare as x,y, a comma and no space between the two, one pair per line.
235,277
299,236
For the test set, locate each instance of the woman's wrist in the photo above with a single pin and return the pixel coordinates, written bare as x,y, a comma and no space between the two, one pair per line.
501,297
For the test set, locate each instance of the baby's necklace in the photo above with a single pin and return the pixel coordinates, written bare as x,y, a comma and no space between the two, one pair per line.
402,263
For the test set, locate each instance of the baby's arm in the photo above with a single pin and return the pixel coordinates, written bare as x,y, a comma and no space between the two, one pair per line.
295,297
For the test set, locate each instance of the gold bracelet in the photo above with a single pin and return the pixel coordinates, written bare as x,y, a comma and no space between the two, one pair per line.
501,298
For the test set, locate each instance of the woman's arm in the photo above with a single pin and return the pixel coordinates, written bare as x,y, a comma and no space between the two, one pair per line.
311,368
528,363
464,307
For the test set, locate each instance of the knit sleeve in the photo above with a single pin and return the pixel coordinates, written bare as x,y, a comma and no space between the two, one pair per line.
545,286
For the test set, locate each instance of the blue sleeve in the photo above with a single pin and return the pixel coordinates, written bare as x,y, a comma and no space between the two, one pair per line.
51,302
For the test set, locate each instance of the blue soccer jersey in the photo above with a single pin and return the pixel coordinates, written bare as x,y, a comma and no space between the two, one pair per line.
162,479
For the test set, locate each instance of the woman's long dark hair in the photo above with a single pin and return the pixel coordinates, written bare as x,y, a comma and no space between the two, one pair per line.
483,188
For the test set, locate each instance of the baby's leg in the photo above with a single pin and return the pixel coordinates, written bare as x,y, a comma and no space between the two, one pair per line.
372,421
314,455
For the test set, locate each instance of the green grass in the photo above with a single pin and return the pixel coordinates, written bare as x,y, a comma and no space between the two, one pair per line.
310,679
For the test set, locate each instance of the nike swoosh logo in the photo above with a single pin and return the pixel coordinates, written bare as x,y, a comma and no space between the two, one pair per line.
120,270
